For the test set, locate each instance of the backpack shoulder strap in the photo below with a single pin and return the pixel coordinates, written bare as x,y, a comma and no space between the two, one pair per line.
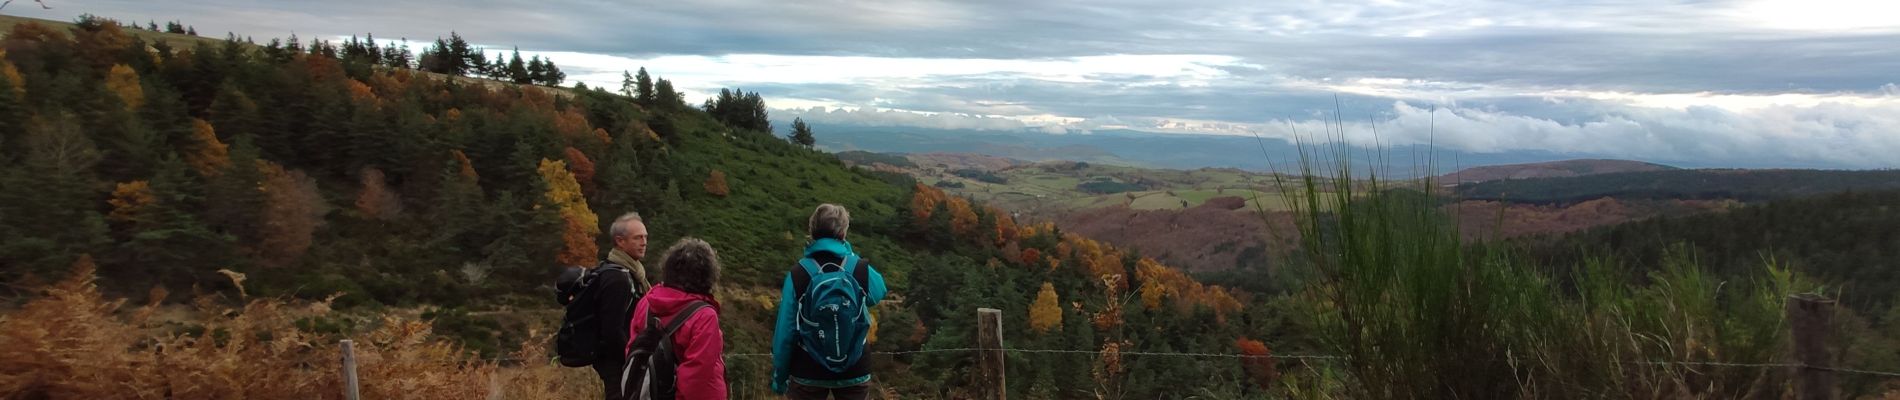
680,319
850,264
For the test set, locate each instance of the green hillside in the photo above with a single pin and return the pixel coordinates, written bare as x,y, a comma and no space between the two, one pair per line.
228,172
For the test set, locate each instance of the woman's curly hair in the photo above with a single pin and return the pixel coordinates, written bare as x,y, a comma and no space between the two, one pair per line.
691,266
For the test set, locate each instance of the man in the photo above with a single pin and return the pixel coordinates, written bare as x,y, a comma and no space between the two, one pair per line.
816,360
691,269
625,281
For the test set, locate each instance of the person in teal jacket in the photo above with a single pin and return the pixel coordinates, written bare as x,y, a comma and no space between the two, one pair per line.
795,372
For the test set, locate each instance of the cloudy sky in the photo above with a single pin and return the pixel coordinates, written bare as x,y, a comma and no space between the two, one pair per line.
1798,83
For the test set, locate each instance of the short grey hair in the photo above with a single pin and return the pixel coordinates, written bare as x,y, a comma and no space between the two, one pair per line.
620,224
829,221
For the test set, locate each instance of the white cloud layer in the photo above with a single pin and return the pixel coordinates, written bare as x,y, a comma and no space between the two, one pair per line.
1703,82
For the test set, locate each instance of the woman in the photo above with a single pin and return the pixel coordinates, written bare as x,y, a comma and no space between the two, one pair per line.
689,271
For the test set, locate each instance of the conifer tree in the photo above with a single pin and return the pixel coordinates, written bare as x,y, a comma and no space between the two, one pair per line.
801,133
643,87
517,70
626,84
537,71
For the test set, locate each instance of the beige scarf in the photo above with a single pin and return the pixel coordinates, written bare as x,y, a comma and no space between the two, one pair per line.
639,271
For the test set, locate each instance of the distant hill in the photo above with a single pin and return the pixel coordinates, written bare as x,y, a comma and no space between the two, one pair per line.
1136,148
1553,169
1682,184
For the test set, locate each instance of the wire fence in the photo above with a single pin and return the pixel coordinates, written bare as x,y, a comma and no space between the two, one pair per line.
511,360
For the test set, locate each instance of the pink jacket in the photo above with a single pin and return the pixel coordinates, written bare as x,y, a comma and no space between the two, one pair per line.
701,346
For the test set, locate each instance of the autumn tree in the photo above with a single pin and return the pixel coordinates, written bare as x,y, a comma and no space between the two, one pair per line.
1046,313
124,82
716,184
129,202
207,155
293,210
1258,362
963,219
376,200
582,226
582,168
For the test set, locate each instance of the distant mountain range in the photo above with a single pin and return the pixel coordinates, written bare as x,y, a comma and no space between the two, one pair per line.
1153,150
1553,169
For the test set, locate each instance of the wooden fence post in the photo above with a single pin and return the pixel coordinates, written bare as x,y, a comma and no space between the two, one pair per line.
349,370
1810,316
989,339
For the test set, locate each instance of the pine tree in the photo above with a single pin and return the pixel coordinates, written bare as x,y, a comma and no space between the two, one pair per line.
537,71
234,201
664,97
801,133
517,70
459,56
554,76
174,246
55,219
626,84
643,88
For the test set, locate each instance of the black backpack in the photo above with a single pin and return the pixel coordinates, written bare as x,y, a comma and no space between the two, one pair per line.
578,342
651,367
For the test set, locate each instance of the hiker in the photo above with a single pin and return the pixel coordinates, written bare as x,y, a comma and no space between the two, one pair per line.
677,349
599,301
824,315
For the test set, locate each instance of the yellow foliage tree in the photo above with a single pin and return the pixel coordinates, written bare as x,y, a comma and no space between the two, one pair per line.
1046,313
963,219
208,155
582,226
124,82
12,73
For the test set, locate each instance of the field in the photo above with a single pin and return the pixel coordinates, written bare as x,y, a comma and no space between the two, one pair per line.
1056,188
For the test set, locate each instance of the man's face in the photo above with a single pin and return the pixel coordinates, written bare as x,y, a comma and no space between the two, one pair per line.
634,243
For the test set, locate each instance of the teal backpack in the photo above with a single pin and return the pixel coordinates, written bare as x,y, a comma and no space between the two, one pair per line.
833,318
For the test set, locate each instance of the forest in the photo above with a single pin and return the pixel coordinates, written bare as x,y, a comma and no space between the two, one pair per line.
426,214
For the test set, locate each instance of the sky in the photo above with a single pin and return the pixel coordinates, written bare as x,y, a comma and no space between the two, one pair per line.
1745,83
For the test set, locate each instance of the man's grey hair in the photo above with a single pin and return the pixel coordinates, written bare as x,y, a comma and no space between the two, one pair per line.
620,224
829,221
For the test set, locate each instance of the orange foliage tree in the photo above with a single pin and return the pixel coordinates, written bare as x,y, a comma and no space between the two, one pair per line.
583,169
963,219
12,73
582,226
716,184
923,202
129,202
1005,225
1031,256
1046,313
1258,363
468,167
208,155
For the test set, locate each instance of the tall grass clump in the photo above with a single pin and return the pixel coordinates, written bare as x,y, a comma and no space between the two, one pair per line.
1420,313
72,343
